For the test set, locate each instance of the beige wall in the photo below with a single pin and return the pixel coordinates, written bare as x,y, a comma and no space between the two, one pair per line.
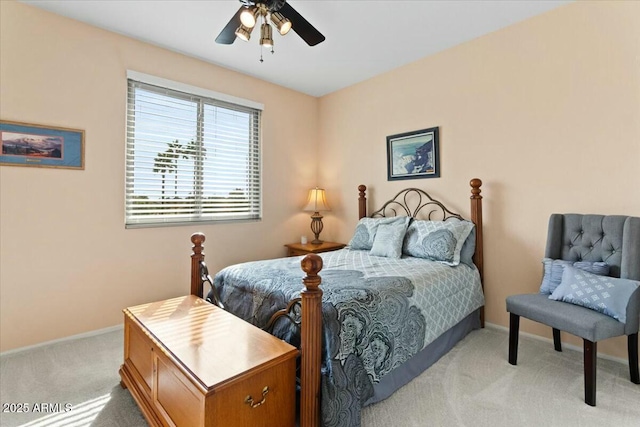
546,113
68,265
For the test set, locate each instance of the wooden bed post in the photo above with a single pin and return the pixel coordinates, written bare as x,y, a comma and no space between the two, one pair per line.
362,201
196,257
311,342
476,217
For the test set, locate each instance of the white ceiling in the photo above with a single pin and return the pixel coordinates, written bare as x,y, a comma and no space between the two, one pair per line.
363,38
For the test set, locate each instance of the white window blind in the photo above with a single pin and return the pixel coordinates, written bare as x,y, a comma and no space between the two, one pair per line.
189,158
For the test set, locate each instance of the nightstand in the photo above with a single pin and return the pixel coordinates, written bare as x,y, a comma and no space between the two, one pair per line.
296,249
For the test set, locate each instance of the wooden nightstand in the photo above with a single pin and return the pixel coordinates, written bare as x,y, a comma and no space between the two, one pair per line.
296,249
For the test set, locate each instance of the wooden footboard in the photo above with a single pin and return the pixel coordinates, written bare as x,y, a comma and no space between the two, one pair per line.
311,297
310,326
310,342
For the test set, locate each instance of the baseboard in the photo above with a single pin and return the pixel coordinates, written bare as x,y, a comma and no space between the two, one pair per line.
550,341
59,340
121,327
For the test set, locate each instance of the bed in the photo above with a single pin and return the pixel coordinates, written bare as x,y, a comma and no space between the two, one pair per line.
380,317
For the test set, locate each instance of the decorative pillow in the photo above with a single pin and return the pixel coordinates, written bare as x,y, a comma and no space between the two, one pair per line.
553,269
469,248
366,230
437,240
388,240
608,295
600,268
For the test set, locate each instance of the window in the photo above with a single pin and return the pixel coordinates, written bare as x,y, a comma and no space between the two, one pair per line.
192,155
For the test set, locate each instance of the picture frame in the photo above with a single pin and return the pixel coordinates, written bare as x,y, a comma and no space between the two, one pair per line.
413,155
25,144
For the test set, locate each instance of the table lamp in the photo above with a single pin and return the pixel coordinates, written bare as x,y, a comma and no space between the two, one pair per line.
316,203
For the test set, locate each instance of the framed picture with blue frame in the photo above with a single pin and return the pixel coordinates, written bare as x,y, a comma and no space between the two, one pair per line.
412,155
25,144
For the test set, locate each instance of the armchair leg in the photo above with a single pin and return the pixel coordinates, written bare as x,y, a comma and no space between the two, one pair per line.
632,342
514,326
557,344
590,358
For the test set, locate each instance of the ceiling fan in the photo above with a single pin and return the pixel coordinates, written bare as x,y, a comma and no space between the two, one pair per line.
273,12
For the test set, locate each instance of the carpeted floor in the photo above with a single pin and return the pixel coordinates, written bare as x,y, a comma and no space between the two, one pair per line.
473,385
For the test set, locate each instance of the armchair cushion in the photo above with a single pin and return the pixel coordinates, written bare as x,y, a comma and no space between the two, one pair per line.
608,295
576,320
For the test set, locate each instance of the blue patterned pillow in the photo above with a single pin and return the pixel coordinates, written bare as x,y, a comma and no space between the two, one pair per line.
605,294
366,229
388,240
596,267
360,239
469,248
553,269
437,240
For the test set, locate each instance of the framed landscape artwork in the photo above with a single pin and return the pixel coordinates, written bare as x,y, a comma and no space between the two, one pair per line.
413,155
26,144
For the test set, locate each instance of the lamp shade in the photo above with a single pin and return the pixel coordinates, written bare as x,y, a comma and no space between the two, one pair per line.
265,35
248,17
243,33
282,24
317,201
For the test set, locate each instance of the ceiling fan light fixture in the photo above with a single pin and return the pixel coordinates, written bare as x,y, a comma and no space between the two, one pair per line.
282,24
248,17
266,38
243,33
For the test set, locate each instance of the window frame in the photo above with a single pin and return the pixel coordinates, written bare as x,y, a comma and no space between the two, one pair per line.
205,94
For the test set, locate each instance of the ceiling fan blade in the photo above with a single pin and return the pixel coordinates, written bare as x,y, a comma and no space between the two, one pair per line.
228,33
301,26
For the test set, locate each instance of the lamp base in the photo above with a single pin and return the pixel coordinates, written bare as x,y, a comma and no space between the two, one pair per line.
316,227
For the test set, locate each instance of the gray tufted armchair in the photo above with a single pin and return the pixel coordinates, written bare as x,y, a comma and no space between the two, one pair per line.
614,239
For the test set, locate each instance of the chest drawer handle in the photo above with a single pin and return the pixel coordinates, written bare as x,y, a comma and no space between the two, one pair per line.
249,400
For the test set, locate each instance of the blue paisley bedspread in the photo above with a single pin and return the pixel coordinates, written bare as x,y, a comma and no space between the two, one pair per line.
378,312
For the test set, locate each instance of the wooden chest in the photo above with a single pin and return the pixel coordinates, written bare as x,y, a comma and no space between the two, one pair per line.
189,363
